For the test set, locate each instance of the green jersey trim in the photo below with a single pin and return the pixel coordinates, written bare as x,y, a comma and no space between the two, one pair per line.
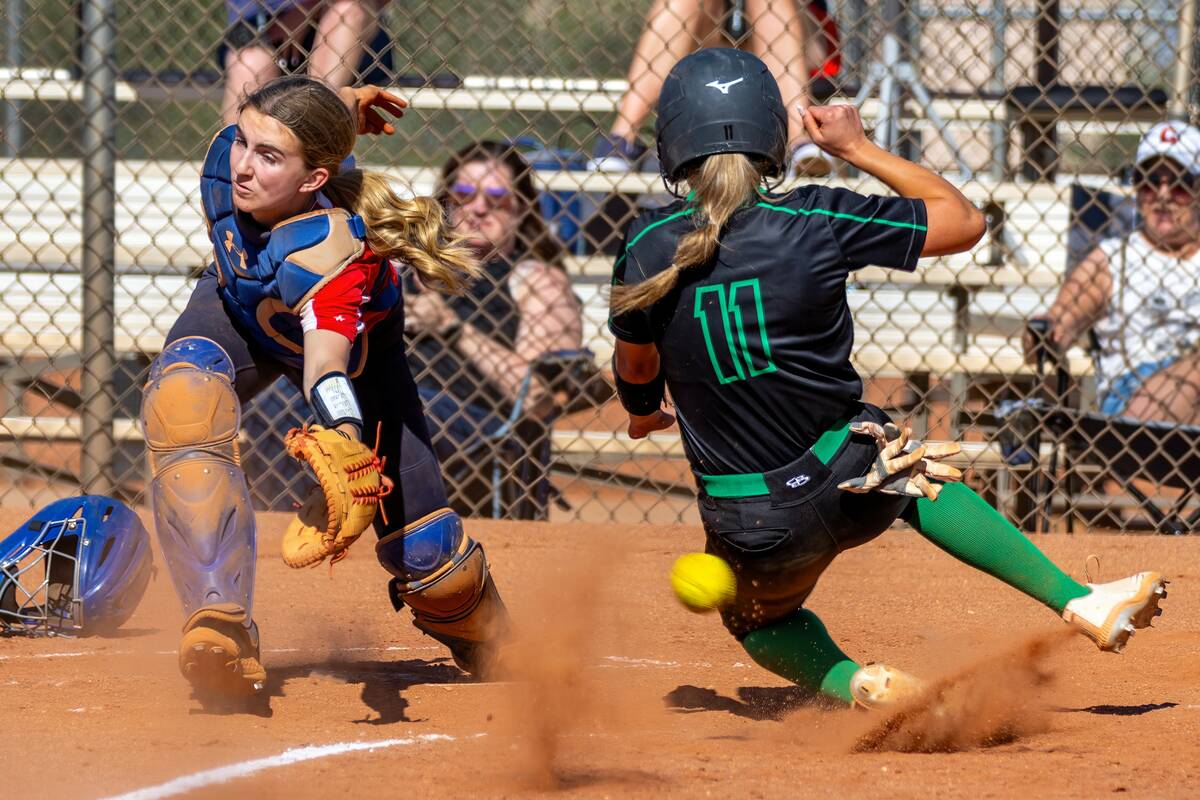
649,228
796,212
754,484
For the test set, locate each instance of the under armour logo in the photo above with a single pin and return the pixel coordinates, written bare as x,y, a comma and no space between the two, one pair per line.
796,481
230,247
1169,136
723,88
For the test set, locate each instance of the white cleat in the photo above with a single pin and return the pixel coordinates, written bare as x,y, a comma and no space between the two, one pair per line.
878,686
1111,612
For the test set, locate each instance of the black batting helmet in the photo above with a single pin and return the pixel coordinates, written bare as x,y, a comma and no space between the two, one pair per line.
720,100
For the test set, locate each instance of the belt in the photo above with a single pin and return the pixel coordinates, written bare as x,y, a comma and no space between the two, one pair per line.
754,484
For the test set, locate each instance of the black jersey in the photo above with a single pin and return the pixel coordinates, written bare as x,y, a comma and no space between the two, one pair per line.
756,343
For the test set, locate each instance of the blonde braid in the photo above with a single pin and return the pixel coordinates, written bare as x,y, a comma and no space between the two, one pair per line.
414,230
721,185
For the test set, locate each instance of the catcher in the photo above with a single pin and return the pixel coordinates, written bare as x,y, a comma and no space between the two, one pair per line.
735,298
303,285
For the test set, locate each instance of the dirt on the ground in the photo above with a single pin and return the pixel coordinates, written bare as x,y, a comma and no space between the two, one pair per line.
623,692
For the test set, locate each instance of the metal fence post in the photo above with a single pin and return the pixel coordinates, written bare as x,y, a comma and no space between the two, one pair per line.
998,20
99,229
1040,156
14,12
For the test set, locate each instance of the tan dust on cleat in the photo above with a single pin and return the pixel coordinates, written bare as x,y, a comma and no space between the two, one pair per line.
1111,612
219,655
878,686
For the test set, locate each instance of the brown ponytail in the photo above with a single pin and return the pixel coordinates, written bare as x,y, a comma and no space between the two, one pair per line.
720,185
414,230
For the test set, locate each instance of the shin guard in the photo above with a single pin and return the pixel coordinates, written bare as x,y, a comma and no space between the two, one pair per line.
202,512
442,575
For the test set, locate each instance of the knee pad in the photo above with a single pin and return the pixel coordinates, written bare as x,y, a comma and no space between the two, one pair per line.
442,575
189,403
202,512
423,549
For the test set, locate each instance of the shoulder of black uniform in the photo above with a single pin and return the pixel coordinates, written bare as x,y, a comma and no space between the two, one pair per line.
654,219
803,197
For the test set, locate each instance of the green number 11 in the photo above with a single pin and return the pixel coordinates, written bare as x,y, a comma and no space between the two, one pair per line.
720,310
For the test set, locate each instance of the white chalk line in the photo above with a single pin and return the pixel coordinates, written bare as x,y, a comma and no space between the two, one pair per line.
58,655
296,755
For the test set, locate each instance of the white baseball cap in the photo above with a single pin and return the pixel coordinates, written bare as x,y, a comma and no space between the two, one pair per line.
1174,140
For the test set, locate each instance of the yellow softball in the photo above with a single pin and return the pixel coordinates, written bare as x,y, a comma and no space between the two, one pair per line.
703,582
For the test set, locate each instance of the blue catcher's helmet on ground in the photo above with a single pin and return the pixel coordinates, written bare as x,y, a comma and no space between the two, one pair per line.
79,566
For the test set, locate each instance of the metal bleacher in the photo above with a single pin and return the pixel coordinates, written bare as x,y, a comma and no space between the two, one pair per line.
923,325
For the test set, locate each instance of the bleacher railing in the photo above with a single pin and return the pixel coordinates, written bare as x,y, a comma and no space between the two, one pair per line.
1034,108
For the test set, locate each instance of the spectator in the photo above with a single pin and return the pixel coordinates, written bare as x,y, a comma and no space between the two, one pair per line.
796,39
267,38
472,351
1140,293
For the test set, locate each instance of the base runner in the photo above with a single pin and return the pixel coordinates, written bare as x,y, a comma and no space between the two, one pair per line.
734,298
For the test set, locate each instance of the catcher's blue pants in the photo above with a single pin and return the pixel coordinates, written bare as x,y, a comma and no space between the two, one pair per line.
386,392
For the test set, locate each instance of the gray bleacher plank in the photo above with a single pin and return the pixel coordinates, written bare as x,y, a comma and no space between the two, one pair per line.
161,228
60,429
940,272
51,86
160,224
181,176
600,445
40,312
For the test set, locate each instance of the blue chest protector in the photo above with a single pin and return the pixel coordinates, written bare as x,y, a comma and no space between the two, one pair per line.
265,278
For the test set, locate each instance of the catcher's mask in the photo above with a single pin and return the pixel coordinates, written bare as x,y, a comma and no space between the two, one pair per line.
79,566
720,100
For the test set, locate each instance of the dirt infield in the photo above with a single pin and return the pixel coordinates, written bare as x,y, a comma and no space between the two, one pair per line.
627,693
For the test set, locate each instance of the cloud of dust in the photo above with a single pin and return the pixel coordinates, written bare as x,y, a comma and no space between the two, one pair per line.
556,700
996,700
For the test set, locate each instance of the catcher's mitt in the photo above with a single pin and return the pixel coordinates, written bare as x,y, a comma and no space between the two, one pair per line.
904,465
352,485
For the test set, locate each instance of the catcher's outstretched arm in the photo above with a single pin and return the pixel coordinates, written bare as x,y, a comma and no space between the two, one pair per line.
326,387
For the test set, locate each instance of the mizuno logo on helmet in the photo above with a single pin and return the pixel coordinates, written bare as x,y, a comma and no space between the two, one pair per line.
724,87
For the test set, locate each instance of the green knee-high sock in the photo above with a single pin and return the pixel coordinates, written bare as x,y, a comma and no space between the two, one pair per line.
799,649
966,527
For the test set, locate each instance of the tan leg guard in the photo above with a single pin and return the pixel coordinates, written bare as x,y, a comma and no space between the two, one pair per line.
202,512
460,607
219,655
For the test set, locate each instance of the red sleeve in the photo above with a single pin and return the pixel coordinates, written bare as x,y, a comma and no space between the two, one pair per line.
337,306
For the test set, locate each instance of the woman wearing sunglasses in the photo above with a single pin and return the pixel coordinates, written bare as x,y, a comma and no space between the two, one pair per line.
471,352
1140,293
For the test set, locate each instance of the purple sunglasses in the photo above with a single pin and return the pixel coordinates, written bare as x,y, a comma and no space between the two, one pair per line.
496,196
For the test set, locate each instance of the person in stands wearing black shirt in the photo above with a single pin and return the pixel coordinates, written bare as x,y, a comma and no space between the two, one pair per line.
734,298
472,351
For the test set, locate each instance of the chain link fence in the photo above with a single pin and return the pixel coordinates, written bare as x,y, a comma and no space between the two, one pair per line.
1036,109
